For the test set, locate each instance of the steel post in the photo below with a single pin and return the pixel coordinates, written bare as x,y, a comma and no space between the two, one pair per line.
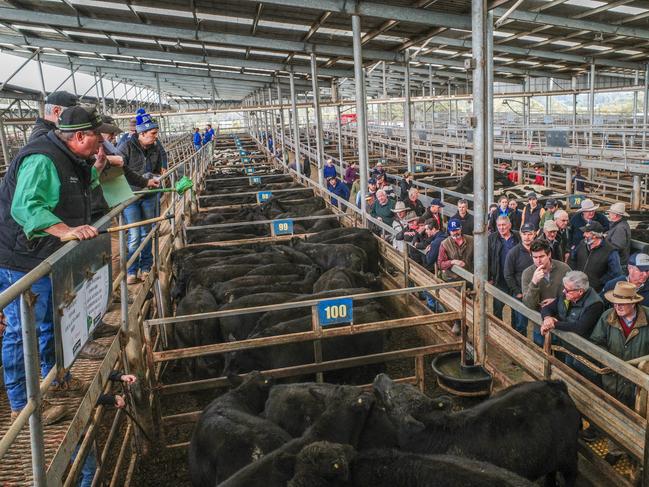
157,82
74,81
318,118
568,180
296,125
645,111
490,106
591,104
480,102
3,143
42,78
407,114
101,90
32,382
281,122
385,84
273,125
361,119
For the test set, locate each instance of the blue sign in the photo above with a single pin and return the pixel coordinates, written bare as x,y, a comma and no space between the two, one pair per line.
263,196
283,227
334,311
243,153
245,160
250,170
419,168
574,200
255,179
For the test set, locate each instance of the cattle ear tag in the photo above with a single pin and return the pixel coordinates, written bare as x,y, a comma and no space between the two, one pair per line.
360,400
440,405
336,466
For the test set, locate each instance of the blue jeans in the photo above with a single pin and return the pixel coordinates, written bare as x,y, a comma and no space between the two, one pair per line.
12,344
519,321
89,467
197,147
142,209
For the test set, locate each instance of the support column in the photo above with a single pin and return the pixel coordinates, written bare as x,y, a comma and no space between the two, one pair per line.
568,180
74,81
574,110
645,111
478,38
318,119
157,82
101,90
3,143
273,125
43,91
281,121
385,84
361,120
407,115
296,125
636,201
591,104
490,107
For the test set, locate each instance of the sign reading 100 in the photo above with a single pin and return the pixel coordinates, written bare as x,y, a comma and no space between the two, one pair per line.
334,311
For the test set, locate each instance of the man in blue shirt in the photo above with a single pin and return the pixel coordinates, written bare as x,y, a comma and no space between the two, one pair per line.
197,139
499,245
209,134
329,170
337,188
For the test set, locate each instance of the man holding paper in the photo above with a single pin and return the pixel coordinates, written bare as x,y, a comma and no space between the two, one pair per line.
45,196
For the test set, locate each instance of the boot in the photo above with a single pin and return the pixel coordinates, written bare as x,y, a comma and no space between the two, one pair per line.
73,386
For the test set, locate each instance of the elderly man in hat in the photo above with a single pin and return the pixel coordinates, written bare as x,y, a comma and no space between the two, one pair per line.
55,103
377,169
596,257
45,196
400,224
624,332
586,214
532,211
619,232
434,212
637,274
144,155
550,231
335,186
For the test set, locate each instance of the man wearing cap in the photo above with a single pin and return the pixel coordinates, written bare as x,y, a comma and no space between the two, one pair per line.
637,274
378,169
500,243
329,169
434,212
339,189
456,249
623,332
464,216
145,156
549,234
55,103
532,212
518,259
413,202
584,215
551,206
382,208
542,281
45,196
596,257
619,232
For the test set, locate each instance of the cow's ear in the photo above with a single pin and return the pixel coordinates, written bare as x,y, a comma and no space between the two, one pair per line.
285,463
318,395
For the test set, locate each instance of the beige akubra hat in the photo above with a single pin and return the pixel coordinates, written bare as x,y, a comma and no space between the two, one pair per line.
618,208
624,293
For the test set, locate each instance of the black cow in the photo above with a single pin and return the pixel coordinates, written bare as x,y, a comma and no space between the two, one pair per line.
340,278
327,256
325,464
199,332
230,434
530,429
342,422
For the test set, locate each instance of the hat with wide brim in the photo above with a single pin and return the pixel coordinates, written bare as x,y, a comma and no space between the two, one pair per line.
618,209
410,216
400,206
587,205
623,293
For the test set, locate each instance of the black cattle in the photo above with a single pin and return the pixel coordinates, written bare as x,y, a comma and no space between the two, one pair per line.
294,407
342,422
296,257
327,256
214,235
199,332
229,433
530,429
360,237
325,464
190,278
277,269
240,326
219,289
293,354
340,278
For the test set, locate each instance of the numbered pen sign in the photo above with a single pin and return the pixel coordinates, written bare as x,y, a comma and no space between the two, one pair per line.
334,311
243,153
574,200
419,168
282,227
245,160
250,170
263,196
255,179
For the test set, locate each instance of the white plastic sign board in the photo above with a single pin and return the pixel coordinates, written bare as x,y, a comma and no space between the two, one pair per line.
97,294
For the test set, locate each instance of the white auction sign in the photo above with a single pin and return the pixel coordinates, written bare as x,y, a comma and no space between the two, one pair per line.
83,313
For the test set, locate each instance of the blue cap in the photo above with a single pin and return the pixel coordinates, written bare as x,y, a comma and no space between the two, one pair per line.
371,181
436,202
454,224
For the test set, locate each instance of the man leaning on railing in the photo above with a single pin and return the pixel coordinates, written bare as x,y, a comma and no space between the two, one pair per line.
45,196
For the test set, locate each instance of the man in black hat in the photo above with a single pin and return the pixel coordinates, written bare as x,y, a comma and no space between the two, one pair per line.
595,257
55,103
44,196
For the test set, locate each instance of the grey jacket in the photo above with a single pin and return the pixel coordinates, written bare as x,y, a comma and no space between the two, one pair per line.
619,236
